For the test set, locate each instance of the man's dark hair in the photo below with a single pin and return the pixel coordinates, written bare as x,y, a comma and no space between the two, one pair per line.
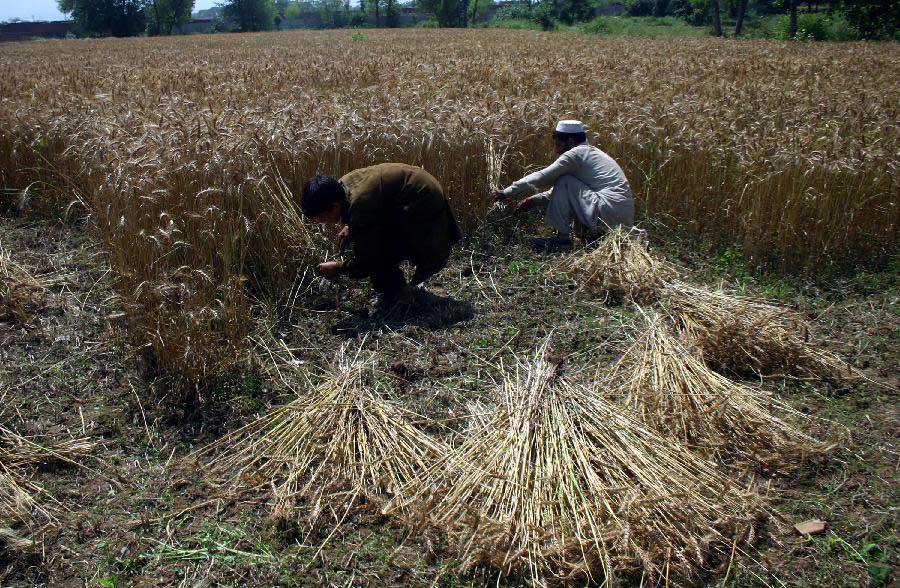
578,137
319,195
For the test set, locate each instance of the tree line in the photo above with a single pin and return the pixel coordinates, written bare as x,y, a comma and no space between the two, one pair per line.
871,19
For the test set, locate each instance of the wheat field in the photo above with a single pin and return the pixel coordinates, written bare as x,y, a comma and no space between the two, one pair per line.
187,154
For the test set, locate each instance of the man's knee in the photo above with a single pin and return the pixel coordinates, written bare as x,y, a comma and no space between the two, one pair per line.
567,183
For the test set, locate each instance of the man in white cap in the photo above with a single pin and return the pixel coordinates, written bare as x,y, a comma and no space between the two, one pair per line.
587,185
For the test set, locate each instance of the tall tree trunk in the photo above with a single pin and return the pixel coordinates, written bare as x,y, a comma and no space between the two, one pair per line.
465,13
716,18
156,28
792,26
475,12
742,10
377,13
444,17
389,13
660,7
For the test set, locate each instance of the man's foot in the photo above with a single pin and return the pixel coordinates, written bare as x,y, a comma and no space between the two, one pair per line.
405,298
551,244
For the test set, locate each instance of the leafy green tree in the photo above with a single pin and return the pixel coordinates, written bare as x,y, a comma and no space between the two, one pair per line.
874,19
332,12
98,18
250,15
571,11
163,16
449,13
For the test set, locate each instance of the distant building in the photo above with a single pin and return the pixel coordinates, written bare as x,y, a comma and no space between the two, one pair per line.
25,31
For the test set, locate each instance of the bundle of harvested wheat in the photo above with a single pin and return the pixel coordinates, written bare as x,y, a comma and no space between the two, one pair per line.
561,484
672,390
619,268
748,336
343,441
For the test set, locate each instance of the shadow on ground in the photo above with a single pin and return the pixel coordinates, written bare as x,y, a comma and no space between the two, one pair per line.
430,311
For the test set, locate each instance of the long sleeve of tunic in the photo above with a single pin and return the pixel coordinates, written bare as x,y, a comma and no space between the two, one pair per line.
587,163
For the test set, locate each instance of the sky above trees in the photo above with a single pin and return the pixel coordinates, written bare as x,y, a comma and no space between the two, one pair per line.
48,9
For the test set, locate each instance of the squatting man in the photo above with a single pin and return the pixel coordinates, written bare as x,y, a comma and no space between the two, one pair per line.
587,185
395,212
391,213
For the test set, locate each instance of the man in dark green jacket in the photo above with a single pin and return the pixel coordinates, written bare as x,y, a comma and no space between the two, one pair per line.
391,212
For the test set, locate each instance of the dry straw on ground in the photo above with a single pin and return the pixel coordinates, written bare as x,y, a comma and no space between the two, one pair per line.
670,389
340,442
21,291
21,498
619,268
748,336
561,484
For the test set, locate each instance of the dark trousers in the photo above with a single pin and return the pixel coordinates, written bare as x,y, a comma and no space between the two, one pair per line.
388,279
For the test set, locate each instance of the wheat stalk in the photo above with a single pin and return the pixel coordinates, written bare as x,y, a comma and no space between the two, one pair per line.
561,484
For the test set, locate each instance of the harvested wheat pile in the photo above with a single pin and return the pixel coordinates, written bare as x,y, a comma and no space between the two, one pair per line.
748,336
561,484
670,389
620,268
342,441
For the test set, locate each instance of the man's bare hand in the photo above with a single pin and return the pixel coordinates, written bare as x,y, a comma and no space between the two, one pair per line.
525,204
497,195
343,238
329,270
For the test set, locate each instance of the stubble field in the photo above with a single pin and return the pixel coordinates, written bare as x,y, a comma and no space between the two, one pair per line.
158,291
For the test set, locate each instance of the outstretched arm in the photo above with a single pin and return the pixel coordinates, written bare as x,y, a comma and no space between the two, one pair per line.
544,178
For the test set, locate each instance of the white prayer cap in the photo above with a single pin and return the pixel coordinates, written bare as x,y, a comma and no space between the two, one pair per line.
569,126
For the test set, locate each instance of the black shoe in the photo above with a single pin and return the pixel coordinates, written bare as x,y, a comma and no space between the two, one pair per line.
551,244
402,300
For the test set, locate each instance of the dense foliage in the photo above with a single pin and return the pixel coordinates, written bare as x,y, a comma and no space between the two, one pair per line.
163,16
250,15
834,20
96,18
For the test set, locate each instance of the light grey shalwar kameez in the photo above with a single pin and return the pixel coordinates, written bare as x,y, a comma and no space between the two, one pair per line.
587,184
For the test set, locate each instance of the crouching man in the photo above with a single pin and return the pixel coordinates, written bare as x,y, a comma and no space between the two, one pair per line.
587,185
391,213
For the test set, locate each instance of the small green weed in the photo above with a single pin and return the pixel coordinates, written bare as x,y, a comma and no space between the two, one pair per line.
222,543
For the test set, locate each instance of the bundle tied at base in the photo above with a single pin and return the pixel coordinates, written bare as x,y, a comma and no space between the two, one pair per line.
561,484
620,268
748,336
343,441
670,389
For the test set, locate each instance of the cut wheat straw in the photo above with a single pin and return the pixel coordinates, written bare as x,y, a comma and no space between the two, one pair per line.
672,390
619,268
342,441
561,484
20,292
18,494
748,336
